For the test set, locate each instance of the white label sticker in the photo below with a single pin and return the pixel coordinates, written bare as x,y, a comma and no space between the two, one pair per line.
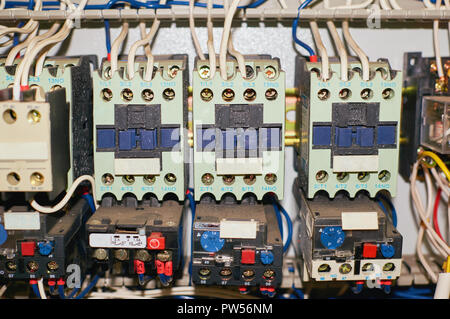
117,241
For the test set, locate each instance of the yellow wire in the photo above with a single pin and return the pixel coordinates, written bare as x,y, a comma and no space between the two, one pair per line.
438,161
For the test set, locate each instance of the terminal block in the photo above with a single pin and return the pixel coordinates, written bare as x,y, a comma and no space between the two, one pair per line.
236,245
34,245
349,131
34,142
239,127
345,239
140,136
73,74
425,114
134,238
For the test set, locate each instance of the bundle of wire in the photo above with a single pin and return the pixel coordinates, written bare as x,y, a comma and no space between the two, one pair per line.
433,177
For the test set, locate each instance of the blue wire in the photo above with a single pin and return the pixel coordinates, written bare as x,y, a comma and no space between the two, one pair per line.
36,290
295,27
277,207
278,214
391,205
88,288
108,36
90,200
290,228
299,293
61,292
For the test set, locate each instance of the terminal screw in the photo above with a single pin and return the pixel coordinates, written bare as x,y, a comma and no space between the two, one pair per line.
52,266
121,254
164,256
206,95
204,72
173,70
143,255
32,266
207,179
100,254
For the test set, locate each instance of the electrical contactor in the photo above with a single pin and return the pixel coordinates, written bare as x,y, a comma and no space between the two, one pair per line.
349,131
140,137
238,127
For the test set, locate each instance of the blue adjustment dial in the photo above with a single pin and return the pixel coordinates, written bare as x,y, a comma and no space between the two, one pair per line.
332,237
211,241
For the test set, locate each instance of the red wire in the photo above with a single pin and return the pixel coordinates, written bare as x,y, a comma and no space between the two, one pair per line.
435,212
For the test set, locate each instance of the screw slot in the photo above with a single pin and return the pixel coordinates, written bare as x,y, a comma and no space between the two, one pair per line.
34,116
149,179
10,116
270,72
207,179
173,70
128,179
107,95
228,95
324,268
345,268
127,95
342,177
168,94
270,178
323,94
107,179
13,178
249,95
206,95
321,176
388,94
366,94
147,95
228,179
37,179
363,176
249,179
344,94
388,267
271,94
384,176
170,179
204,72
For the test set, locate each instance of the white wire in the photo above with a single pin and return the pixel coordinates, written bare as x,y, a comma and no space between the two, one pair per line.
325,74
3,290
341,49
115,47
283,4
41,288
16,49
65,200
395,5
348,5
28,27
147,48
428,4
41,60
2,4
385,5
239,57
225,37
420,208
197,46
210,43
150,59
359,52
22,72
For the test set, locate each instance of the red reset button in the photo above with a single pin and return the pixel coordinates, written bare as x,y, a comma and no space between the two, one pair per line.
156,241
28,248
369,250
247,256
